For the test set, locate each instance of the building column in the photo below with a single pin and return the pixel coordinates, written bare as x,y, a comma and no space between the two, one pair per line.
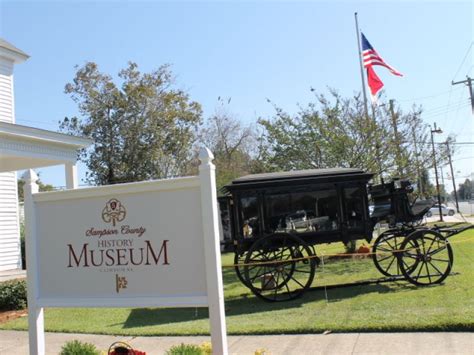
71,176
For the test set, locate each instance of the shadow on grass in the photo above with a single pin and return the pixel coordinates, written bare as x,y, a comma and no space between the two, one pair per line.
245,302
229,276
239,306
346,266
340,294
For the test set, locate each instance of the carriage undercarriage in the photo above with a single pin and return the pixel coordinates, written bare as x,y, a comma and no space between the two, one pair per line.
285,270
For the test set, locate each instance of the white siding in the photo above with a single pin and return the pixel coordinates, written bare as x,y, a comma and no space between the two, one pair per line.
10,257
6,91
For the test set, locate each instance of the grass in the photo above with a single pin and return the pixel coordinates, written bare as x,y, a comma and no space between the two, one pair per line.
395,306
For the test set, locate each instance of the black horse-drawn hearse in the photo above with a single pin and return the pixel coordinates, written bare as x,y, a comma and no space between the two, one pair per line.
273,221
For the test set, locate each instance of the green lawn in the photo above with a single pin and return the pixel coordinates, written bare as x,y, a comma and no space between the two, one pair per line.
395,306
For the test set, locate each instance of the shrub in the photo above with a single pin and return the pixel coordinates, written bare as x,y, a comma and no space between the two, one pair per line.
76,347
206,348
13,295
23,246
203,349
185,349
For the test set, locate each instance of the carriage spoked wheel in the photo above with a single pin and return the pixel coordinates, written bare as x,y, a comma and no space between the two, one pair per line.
427,258
279,267
385,252
239,258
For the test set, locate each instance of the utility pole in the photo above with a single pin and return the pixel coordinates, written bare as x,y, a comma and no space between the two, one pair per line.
468,82
452,175
436,130
418,175
398,153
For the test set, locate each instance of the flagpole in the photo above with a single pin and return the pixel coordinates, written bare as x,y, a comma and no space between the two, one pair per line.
377,145
361,66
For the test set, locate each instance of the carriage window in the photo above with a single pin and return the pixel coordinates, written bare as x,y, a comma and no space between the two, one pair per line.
354,204
225,218
301,212
249,216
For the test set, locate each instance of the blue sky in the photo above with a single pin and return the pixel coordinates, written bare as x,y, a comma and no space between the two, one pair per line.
248,51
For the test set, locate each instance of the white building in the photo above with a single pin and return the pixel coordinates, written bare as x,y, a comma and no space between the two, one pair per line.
23,147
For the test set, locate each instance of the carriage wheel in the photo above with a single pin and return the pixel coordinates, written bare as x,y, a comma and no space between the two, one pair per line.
239,258
384,252
427,258
277,267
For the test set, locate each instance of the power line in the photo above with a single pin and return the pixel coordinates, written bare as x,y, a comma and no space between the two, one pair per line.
464,158
439,143
429,97
468,82
465,147
453,124
452,83
462,63
449,102
441,108
466,122
454,108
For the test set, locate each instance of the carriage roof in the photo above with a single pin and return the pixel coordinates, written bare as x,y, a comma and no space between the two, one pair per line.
298,177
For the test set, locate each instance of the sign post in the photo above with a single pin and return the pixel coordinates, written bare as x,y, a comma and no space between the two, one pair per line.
145,244
35,313
215,286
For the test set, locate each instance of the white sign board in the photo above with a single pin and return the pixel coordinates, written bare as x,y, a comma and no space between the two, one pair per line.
113,246
141,244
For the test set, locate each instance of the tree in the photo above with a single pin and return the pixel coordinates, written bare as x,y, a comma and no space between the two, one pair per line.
142,129
232,143
427,188
466,190
335,132
412,148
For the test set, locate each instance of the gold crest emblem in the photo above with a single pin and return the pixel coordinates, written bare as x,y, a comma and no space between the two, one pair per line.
113,212
120,282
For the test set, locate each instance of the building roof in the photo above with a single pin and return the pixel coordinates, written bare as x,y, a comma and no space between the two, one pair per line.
11,52
23,147
38,134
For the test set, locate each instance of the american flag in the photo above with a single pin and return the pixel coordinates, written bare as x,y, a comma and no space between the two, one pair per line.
372,58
